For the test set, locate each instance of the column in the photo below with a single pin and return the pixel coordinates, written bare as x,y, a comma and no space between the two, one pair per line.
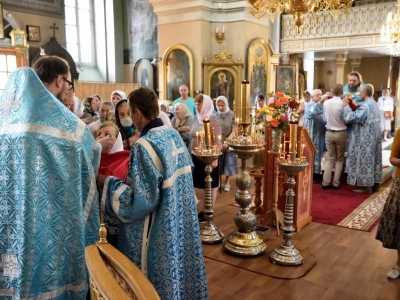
340,63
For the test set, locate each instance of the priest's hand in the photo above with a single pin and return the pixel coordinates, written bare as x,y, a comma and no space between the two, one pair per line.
101,178
214,164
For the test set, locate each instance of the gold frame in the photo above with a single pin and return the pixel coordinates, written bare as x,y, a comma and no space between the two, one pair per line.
259,52
223,61
1,22
31,27
165,69
18,38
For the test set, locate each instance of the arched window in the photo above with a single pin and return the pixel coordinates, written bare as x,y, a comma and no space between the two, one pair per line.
80,31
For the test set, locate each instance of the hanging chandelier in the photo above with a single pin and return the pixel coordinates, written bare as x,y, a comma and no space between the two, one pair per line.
390,31
297,8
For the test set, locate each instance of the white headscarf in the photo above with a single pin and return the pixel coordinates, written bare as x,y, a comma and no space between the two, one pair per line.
119,92
207,109
118,146
163,102
223,99
184,111
257,105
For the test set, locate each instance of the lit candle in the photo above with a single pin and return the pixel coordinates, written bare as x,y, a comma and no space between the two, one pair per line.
244,101
302,151
207,133
237,122
197,139
216,29
223,29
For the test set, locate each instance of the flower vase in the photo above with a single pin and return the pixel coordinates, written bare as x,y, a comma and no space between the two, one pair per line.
276,139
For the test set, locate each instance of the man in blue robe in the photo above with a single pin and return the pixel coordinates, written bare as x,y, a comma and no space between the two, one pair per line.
156,205
352,88
48,197
315,124
365,148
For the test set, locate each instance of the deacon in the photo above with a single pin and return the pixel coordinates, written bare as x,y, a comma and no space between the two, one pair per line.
156,205
365,147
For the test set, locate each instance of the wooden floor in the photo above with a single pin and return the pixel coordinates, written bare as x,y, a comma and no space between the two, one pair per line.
351,265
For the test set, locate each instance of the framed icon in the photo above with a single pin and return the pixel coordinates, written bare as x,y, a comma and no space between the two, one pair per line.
285,79
178,70
33,33
18,38
1,23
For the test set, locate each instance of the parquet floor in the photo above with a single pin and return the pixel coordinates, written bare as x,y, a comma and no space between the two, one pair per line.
351,265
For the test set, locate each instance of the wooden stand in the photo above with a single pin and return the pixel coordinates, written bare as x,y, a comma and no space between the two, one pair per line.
257,209
304,181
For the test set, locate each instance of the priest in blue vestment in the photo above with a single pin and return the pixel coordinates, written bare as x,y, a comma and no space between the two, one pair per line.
365,148
352,87
156,206
48,198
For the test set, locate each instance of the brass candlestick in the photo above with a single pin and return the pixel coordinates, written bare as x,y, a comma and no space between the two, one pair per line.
286,253
209,233
244,240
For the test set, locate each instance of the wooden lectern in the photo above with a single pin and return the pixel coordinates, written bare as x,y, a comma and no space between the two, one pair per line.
304,180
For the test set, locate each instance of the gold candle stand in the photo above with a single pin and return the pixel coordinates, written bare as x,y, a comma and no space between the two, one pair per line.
244,240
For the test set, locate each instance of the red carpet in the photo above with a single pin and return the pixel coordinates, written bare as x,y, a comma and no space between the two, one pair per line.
346,208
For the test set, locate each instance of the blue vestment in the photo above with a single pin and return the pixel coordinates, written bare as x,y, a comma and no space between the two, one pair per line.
48,198
315,124
365,147
159,227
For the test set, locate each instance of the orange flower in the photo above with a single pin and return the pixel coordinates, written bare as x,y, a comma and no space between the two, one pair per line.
285,100
274,123
278,103
280,95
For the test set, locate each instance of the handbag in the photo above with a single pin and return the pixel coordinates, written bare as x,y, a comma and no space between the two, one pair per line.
388,114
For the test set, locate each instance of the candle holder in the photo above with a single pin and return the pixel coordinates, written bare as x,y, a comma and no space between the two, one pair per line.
286,253
244,240
207,152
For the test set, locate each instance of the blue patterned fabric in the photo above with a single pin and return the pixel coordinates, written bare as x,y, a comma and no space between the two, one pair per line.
365,147
159,228
48,198
315,124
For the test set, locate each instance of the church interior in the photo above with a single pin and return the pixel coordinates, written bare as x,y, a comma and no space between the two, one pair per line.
212,47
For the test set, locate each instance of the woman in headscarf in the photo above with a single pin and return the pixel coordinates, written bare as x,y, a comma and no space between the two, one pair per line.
117,96
228,126
183,121
114,161
204,112
125,124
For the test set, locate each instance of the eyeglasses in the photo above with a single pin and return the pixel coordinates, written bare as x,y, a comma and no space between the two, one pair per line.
70,84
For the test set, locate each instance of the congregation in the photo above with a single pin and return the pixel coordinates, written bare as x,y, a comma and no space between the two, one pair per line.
132,156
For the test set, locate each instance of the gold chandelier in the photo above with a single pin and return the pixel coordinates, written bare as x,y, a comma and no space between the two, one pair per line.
390,31
297,8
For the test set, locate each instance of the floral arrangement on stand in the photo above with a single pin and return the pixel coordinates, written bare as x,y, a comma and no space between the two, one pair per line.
277,111
280,111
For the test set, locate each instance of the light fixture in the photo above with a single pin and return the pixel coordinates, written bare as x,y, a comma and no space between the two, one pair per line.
390,31
297,8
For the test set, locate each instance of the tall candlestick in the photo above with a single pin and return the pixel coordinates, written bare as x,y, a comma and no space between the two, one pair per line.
293,137
197,139
207,133
244,98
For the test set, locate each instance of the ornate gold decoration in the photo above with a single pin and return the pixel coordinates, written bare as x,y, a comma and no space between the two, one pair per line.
222,55
18,38
390,30
219,37
297,8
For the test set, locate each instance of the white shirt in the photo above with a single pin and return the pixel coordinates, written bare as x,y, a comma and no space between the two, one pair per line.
332,112
164,117
385,103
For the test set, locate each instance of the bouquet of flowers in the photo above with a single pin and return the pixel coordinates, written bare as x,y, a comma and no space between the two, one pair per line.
277,111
